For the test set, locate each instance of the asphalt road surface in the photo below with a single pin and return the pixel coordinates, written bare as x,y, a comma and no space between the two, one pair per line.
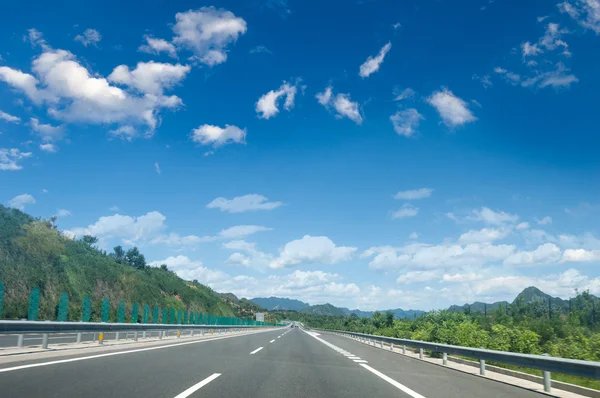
281,363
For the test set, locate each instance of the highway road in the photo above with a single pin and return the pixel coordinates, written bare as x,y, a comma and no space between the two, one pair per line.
279,363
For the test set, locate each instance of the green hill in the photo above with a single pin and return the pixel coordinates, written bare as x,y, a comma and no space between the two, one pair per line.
33,253
323,309
277,303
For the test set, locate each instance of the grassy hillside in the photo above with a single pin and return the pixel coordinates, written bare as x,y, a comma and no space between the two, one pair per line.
33,253
323,309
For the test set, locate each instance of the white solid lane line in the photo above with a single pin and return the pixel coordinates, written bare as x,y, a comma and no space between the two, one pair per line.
272,341
278,337
198,386
255,351
353,357
360,361
393,382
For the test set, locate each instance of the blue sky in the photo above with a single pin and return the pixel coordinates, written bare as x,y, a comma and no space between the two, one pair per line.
371,154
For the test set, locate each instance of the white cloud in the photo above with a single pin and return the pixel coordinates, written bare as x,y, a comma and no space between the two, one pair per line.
240,231
312,249
417,277
260,49
268,105
189,270
522,226
413,235
218,136
20,201
48,148
241,204
458,278
150,77
530,50
545,220
63,213
90,36
73,94
406,121
404,94
407,210
238,259
397,25
483,235
207,32
414,194
585,12
157,168
174,239
547,253
484,80
127,228
342,105
557,78
452,109
127,133
9,118
253,256
372,64
491,217
46,131
324,98
157,46
9,158
580,255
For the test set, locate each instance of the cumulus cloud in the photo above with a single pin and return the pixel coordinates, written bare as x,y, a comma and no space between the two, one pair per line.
522,226
73,94
341,103
46,131
240,231
9,118
372,64
406,121
453,110
312,249
267,106
207,32
241,204
458,278
48,148
149,77
218,136
545,220
127,133
484,235
157,46
417,277
404,94
190,270
491,217
20,201
9,158
407,210
580,255
414,194
63,213
90,36
547,253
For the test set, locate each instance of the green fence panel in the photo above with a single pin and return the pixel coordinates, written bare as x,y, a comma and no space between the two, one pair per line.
105,310
146,314
185,317
63,307
1,297
155,314
86,309
165,316
179,317
172,316
135,313
34,304
121,312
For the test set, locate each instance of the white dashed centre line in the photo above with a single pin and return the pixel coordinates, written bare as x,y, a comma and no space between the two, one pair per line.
272,341
198,386
255,351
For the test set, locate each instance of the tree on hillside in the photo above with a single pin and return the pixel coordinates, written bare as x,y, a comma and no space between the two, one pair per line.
89,240
378,319
389,319
118,254
164,267
134,258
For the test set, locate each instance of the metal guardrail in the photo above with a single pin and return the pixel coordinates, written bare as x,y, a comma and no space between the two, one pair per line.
545,363
46,328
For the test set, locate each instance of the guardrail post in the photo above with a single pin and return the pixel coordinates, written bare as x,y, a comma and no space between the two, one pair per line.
101,338
482,367
547,380
135,336
45,341
78,337
404,349
382,344
118,336
160,334
420,353
391,346
444,359
20,340
143,334
178,333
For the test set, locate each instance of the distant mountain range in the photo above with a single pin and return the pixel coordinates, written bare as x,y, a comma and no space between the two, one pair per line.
284,304
528,296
